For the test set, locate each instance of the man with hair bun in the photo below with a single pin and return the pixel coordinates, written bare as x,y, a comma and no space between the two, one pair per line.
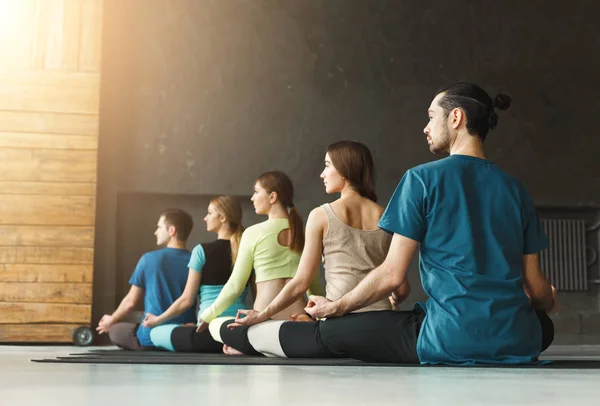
479,239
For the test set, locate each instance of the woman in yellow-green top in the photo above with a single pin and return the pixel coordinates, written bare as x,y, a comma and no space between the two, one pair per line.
272,248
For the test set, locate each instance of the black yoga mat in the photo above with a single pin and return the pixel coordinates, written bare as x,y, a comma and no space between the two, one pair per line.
169,358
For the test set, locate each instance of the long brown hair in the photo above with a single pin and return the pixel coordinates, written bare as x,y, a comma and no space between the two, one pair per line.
353,160
280,183
230,208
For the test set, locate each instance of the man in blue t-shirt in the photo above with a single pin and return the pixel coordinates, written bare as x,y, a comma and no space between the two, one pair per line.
159,279
478,236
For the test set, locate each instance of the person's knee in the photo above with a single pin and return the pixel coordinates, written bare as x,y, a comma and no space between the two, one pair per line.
161,336
114,336
214,327
123,335
264,338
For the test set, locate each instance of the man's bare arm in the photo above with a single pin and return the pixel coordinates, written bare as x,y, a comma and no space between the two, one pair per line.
536,285
378,284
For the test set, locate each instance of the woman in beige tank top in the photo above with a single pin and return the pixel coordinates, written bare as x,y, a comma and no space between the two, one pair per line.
344,235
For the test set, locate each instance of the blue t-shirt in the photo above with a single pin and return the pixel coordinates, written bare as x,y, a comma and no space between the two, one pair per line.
474,223
163,275
209,291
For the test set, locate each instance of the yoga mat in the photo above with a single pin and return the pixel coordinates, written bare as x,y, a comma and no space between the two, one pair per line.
169,358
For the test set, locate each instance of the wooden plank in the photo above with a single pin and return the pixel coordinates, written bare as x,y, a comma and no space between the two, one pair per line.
71,28
47,188
47,236
52,123
50,91
51,210
46,255
79,293
48,34
21,313
50,98
51,141
52,80
46,273
16,31
47,165
91,35
37,333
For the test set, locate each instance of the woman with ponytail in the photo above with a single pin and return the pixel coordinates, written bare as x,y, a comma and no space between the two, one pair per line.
273,249
344,235
210,266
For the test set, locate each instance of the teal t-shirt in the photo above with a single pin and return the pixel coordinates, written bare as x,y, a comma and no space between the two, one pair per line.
474,223
163,275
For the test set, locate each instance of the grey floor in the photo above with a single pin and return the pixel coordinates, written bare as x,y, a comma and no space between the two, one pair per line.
24,383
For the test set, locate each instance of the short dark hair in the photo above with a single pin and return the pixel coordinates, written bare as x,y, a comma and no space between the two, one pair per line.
181,220
478,106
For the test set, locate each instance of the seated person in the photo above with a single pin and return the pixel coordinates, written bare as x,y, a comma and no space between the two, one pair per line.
479,239
159,278
272,248
209,269
345,236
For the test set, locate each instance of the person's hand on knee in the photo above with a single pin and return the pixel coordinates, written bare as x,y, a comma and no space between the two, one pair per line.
104,324
202,326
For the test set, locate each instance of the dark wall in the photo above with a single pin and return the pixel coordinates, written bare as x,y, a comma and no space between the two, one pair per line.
199,97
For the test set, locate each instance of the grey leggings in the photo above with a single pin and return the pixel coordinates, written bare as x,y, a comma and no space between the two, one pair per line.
123,335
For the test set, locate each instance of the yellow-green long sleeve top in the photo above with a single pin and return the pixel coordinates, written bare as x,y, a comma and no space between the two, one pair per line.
259,249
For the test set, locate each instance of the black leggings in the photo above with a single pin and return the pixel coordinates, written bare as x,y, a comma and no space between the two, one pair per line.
378,336
186,339
547,329
303,340
390,336
295,339
237,338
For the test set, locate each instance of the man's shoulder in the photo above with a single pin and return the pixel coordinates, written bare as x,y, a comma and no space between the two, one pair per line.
165,252
428,167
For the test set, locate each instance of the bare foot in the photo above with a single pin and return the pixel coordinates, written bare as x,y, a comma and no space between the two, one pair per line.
227,350
300,317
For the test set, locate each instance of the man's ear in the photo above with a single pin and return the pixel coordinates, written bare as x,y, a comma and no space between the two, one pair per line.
458,117
172,231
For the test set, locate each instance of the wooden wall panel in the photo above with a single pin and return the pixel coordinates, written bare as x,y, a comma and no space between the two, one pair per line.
71,38
50,123
47,141
50,210
91,34
16,34
49,98
47,236
11,313
46,273
35,333
47,165
46,255
47,188
49,107
40,292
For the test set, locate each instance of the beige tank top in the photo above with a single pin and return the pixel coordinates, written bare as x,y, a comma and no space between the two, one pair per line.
349,254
